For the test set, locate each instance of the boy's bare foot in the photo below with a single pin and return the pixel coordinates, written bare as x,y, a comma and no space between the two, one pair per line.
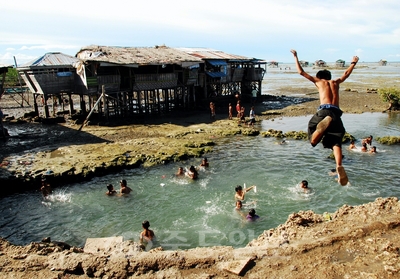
342,176
321,128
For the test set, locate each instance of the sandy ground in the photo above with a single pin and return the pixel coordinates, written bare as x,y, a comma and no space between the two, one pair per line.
359,242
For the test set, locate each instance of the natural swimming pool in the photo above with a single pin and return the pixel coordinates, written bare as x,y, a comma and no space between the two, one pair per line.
186,214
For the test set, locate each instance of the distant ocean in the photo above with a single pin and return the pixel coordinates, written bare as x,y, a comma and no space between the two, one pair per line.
278,80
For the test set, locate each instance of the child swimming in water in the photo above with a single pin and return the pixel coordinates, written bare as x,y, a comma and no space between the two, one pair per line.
240,193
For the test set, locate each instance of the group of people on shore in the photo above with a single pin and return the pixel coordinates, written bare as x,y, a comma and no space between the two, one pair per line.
240,114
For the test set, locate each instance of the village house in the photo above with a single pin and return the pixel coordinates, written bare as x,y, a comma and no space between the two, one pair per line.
132,81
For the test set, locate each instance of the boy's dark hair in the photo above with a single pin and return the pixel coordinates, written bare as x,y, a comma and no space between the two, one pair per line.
252,212
305,183
146,224
324,74
109,187
237,188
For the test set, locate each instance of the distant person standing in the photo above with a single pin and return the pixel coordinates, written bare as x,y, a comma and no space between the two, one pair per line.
242,116
230,111
326,124
212,110
254,93
252,117
238,110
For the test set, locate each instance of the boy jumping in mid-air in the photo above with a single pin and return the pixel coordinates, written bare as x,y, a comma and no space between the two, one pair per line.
326,124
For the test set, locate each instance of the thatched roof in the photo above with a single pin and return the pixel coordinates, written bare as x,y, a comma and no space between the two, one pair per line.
137,56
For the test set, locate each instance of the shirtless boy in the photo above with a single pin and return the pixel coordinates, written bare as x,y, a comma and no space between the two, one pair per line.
326,124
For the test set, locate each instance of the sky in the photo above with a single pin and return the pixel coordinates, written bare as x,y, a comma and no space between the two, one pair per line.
263,29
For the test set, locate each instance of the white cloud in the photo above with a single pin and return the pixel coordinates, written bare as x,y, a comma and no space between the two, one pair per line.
263,27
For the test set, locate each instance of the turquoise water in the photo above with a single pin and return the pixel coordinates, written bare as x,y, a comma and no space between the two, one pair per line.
186,214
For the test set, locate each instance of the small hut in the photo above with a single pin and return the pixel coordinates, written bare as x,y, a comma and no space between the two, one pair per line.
273,64
50,76
320,63
340,63
304,63
382,62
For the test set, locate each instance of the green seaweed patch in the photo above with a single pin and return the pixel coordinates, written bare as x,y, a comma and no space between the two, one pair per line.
389,140
300,135
347,138
279,134
271,133
250,132
271,113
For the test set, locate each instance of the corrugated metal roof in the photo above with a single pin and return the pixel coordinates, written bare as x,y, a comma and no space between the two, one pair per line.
217,62
51,59
157,55
208,53
216,74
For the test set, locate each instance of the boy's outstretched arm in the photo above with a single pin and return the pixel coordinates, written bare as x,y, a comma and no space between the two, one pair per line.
300,69
349,70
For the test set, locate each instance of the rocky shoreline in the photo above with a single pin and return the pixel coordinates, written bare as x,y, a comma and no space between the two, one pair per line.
353,242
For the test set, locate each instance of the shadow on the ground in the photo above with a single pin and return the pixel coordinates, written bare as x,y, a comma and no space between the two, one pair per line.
201,113
27,137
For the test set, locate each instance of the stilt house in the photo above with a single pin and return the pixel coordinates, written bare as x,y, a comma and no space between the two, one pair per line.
50,77
132,81
382,62
340,63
